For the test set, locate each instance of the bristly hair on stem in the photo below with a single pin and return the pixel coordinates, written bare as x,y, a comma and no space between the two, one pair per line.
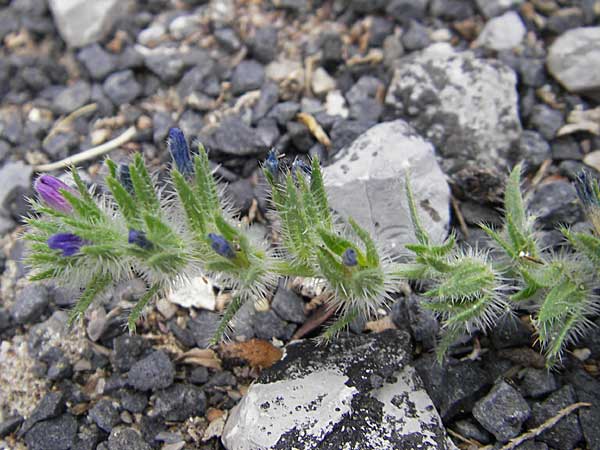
166,235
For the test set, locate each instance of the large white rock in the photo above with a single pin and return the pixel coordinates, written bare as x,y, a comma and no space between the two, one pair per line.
574,60
324,397
467,107
83,22
502,33
366,181
196,292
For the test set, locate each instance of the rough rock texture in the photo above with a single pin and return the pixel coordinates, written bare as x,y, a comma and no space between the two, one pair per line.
466,106
327,398
81,22
574,60
366,181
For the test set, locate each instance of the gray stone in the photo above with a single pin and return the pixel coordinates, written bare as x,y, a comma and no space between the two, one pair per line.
451,9
16,179
179,402
264,44
567,432
546,120
493,8
537,383
81,22
405,10
234,137
453,387
11,125
533,149
409,313
324,398
415,37
247,75
98,62
122,87
53,434
564,19
59,145
366,182
133,401
124,438
30,303
502,411
127,349
72,97
288,305
509,332
344,132
268,325
470,430
574,60
466,106
166,63
556,203
228,39
52,405
203,327
10,425
105,414
367,6
284,112
155,371
269,94
587,389
502,33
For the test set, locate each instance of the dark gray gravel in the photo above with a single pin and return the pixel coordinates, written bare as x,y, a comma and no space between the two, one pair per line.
155,371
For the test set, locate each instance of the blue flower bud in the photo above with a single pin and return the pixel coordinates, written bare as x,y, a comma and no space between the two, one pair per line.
221,246
139,238
125,178
180,151
272,163
349,257
300,166
48,188
67,242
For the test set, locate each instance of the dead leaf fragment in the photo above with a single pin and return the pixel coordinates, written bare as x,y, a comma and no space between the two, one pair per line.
314,127
201,357
257,352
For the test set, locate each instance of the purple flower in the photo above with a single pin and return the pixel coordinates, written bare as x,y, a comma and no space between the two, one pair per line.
139,238
220,245
180,151
67,242
349,257
48,188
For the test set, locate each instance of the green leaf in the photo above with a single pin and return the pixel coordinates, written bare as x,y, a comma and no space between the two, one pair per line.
317,188
586,243
233,307
510,251
137,310
127,205
205,183
341,324
338,245
370,248
143,187
513,200
95,287
86,209
410,271
196,215
468,279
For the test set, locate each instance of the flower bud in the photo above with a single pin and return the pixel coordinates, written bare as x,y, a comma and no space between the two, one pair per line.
349,257
272,163
48,188
67,242
221,246
180,151
139,238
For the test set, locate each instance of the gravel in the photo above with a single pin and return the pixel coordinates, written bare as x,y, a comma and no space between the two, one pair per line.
153,372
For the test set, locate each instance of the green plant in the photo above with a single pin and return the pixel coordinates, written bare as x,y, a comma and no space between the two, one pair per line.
164,236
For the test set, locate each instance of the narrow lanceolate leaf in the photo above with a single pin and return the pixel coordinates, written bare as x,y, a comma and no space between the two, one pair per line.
420,233
193,208
127,205
143,187
83,191
513,199
205,183
317,188
338,245
137,310
370,247
95,287
586,243
236,303
86,209
468,279
510,251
